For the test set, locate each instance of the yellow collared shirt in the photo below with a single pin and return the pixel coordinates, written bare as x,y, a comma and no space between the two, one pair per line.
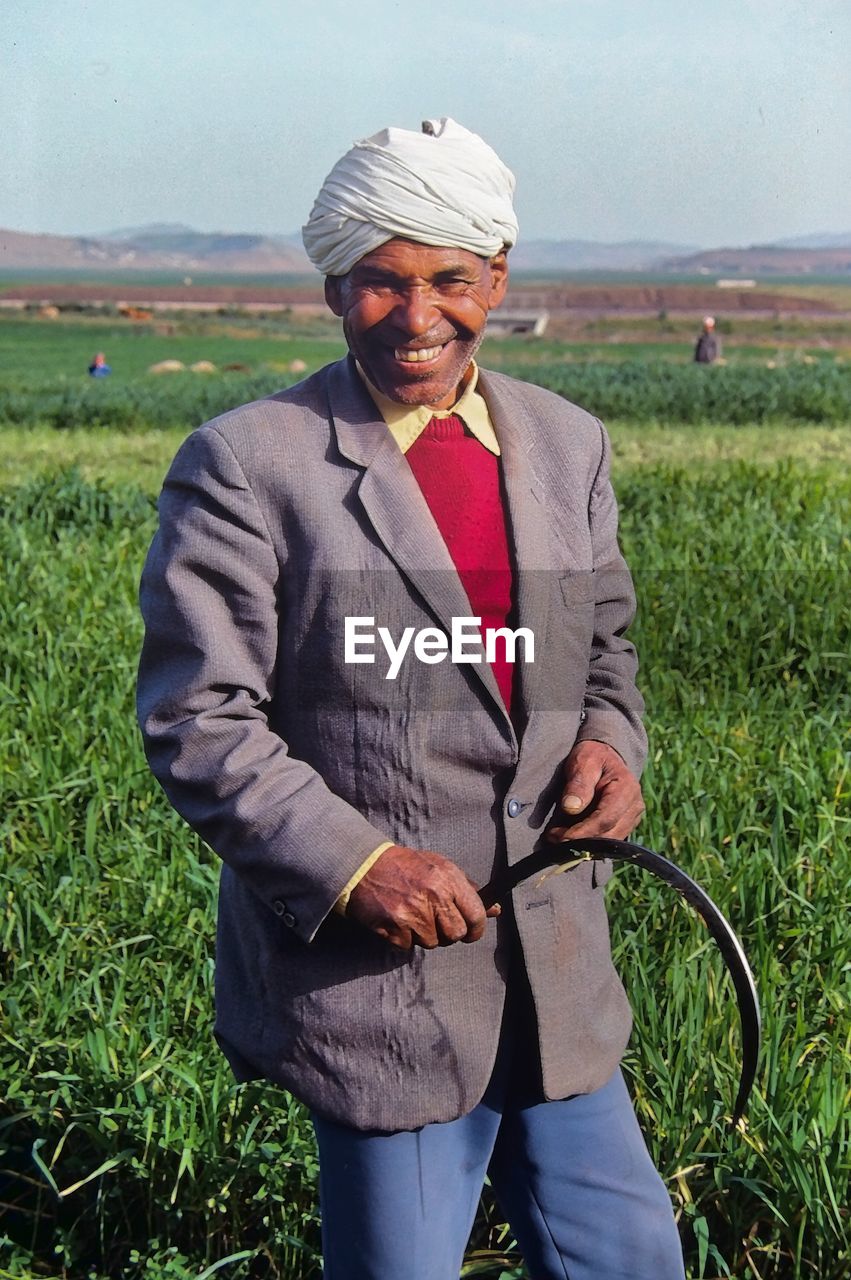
407,422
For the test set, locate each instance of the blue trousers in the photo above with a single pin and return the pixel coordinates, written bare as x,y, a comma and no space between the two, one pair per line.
573,1177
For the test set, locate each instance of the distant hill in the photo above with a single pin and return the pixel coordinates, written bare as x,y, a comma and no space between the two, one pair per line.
159,248
824,240
151,229
174,247
592,255
764,260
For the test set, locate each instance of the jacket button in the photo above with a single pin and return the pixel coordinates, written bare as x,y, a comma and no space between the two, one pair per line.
279,908
288,919
514,807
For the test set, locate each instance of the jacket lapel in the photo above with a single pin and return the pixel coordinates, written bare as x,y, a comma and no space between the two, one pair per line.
395,508
528,522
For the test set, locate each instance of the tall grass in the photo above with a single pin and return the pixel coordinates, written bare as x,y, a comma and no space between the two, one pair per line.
641,391
646,390
127,1149
745,637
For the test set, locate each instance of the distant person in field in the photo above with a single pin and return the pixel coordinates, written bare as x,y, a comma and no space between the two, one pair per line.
99,368
708,346
357,810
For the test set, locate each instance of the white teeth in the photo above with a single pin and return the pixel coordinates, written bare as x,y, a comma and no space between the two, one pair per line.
416,357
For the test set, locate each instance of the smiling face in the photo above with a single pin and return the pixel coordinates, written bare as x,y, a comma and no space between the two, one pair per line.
414,316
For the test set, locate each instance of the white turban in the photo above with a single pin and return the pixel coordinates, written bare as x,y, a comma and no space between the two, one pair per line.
444,186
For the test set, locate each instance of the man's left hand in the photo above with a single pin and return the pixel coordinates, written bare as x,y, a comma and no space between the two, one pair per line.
601,796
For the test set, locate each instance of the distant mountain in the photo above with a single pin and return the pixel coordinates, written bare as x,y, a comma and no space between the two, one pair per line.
174,247
764,260
150,229
163,247
824,240
592,255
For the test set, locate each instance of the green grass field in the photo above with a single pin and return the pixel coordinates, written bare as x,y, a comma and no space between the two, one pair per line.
125,1148
32,348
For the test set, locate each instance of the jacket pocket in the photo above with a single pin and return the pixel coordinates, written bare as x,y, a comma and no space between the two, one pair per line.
577,586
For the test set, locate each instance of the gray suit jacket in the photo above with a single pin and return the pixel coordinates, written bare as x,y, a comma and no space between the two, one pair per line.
278,520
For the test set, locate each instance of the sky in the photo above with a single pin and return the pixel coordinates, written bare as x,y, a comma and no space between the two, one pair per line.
722,123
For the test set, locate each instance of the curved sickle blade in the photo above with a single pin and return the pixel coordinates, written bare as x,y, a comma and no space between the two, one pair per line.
731,949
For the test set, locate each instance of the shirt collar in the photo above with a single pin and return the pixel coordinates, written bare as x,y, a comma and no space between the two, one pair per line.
406,422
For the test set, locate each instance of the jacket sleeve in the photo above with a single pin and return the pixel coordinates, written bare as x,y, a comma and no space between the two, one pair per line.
613,707
209,599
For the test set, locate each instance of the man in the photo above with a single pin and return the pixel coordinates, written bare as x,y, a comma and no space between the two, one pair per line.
707,348
359,785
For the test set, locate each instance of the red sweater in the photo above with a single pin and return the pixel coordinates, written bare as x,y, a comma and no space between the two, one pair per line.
460,481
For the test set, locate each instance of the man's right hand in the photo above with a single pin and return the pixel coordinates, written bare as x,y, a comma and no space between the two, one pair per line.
415,898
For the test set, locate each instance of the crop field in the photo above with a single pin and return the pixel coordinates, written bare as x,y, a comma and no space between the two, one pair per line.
126,1149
